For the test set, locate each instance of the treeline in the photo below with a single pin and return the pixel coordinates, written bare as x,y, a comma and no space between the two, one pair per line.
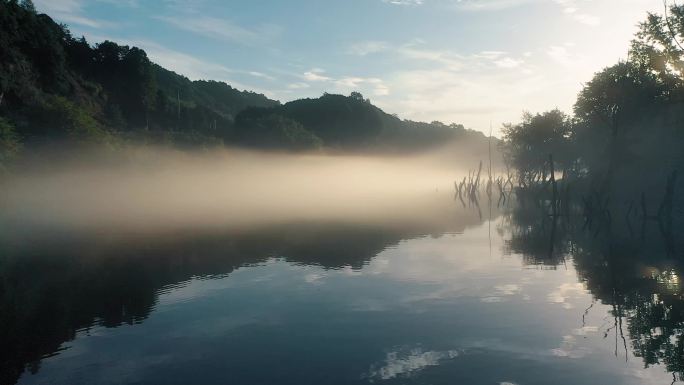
55,87
343,122
628,121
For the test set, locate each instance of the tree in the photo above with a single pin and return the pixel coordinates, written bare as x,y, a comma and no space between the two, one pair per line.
266,129
357,96
28,5
66,119
616,94
140,88
615,110
657,47
527,145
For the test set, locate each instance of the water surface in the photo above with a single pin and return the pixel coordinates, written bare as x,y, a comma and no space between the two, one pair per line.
475,296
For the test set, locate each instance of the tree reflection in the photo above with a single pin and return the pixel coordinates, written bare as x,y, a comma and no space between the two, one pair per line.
638,276
53,290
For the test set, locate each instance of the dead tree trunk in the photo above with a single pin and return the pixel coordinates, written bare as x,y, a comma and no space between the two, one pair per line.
554,199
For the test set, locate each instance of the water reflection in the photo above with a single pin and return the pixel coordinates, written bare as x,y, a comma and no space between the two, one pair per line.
456,299
53,288
637,275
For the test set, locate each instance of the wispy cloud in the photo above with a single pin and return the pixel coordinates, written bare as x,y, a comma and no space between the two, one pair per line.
418,51
59,6
377,86
298,86
70,12
587,19
345,83
261,75
508,62
458,87
403,2
572,9
562,55
399,363
367,47
187,65
569,7
122,3
489,5
455,61
316,75
222,29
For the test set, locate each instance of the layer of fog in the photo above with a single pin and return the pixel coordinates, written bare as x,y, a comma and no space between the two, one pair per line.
159,189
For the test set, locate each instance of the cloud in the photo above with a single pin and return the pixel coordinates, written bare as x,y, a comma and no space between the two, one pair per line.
490,5
298,86
571,8
190,66
122,3
399,364
417,51
565,292
59,6
561,55
261,75
464,88
568,348
508,62
183,63
221,29
315,75
344,84
403,2
367,47
490,54
454,61
70,12
588,19
376,85
80,20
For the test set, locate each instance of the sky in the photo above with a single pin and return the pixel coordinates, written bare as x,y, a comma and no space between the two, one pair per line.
474,62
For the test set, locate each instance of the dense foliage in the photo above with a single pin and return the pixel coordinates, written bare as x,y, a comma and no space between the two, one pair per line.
549,131
54,86
58,88
628,120
349,122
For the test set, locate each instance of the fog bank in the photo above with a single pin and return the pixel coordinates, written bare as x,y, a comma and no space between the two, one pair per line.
161,189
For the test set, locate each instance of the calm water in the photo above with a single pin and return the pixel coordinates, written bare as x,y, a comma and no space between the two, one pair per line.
462,300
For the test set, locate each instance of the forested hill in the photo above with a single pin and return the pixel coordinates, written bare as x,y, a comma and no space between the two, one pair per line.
56,87
342,122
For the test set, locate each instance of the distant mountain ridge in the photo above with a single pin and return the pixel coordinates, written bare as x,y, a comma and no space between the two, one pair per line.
57,87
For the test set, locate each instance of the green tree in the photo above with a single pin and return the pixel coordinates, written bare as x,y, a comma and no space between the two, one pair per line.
273,131
28,5
67,120
615,112
617,94
357,96
657,47
527,145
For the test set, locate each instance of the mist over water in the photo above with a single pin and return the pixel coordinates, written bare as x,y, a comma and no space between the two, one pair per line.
155,263
152,190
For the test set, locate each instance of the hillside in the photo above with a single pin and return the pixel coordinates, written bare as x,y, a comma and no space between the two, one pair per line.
55,88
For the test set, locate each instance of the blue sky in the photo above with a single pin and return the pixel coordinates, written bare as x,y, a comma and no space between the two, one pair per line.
463,61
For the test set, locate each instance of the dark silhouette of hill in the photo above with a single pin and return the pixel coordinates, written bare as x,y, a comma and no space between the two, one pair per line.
345,122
